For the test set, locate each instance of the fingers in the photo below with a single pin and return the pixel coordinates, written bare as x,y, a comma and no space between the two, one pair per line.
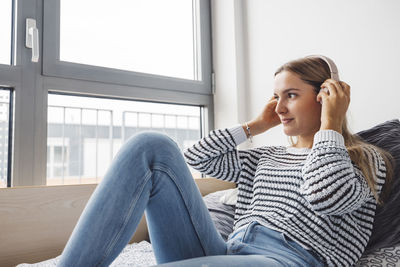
336,89
346,88
323,93
332,86
272,99
272,102
339,88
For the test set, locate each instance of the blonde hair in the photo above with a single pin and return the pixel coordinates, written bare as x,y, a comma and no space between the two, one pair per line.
315,71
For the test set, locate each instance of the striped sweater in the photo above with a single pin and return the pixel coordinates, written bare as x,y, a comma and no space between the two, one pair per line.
316,196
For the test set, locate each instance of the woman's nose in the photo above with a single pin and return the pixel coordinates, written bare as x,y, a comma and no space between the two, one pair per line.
280,107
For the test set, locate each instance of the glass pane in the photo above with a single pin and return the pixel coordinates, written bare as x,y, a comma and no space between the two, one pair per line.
149,36
58,151
4,123
85,133
5,31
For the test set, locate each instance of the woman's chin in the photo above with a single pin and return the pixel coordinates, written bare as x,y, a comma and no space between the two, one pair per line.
289,132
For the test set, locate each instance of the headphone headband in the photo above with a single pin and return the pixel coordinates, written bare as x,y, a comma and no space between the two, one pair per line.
332,66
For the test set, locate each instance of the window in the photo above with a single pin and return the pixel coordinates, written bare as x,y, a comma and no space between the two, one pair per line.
152,43
57,159
55,142
5,31
85,134
151,36
5,152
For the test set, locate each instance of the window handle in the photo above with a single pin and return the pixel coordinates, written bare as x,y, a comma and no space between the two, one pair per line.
32,38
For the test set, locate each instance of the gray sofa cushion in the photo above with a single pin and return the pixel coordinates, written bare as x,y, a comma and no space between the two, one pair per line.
382,257
386,232
221,214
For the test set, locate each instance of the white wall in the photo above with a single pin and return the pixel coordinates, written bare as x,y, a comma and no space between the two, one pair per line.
228,60
362,36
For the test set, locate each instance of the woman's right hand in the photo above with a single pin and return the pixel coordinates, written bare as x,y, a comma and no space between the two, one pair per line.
266,120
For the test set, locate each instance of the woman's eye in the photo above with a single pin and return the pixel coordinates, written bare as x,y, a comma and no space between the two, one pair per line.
291,95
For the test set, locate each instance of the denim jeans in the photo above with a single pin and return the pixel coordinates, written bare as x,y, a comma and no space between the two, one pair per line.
149,175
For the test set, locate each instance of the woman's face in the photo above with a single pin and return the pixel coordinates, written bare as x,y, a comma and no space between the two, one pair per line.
297,106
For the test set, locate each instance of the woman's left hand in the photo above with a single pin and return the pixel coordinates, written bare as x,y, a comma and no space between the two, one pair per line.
335,96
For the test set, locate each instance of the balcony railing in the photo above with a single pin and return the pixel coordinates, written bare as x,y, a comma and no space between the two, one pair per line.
81,147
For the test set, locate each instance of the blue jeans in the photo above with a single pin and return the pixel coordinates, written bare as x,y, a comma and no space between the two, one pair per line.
149,175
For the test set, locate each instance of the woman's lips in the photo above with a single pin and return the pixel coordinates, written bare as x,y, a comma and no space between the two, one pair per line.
286,121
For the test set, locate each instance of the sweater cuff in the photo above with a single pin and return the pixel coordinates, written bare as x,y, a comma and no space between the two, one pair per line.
238,134
328,135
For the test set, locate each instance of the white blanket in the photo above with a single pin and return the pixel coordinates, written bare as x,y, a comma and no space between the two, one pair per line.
136,254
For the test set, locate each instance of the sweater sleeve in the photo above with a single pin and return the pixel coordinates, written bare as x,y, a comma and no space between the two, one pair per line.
332,184
216,155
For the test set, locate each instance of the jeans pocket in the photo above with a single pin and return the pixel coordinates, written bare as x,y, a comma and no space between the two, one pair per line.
295,247
237,240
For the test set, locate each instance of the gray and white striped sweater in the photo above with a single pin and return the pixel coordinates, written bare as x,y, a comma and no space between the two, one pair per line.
315,196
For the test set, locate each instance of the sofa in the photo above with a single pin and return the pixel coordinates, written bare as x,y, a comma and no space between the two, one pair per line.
383,248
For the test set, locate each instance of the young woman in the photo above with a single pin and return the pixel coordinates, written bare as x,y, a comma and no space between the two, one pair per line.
308,204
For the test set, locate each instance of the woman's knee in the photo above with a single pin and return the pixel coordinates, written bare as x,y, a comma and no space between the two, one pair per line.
152,144
153,139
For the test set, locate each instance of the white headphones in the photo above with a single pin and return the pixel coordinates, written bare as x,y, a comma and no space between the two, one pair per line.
331,64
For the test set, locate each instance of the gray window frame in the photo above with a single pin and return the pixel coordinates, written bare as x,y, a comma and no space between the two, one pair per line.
31,83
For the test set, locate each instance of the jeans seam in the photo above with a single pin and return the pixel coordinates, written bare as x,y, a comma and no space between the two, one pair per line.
127,217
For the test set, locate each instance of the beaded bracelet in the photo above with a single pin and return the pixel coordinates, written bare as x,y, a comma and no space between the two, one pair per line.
249,133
